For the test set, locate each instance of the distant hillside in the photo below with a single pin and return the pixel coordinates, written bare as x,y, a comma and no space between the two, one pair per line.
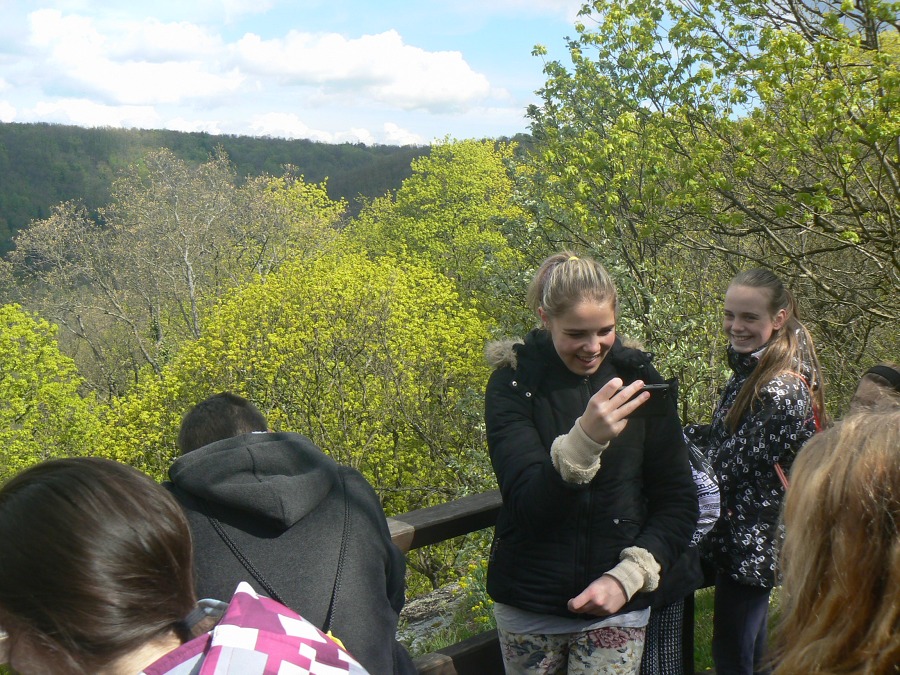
44,164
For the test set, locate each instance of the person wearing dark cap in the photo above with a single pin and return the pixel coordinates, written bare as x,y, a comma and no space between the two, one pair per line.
879,386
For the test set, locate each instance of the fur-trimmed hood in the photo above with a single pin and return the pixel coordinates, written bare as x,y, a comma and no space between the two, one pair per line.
502,353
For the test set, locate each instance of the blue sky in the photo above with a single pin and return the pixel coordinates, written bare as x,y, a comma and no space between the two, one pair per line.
386,71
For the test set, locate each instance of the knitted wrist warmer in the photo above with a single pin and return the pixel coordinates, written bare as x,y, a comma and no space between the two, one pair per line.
575,456
638,571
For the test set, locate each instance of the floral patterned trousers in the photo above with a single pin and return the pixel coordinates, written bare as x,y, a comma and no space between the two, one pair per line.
602,651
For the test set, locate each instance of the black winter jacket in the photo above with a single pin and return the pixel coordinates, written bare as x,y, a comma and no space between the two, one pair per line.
554,538
283,502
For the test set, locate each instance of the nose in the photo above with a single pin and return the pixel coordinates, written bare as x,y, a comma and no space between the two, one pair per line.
594,343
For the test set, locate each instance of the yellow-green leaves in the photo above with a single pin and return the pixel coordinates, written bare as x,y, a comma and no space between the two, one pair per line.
380,363
42,414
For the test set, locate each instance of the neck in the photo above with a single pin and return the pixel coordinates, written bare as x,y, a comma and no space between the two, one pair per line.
146,654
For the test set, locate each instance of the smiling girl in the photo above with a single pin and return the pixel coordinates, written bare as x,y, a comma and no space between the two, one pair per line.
598,501
772,404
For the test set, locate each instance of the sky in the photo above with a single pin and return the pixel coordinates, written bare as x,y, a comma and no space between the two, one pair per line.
386,72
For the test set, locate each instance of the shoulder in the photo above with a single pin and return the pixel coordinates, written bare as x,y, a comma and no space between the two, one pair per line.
630,359
788,385
502,353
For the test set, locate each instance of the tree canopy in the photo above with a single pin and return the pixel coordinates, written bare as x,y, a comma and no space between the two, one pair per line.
696,138
43,415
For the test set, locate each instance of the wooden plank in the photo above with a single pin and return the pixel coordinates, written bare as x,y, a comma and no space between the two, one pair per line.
438,523
477,655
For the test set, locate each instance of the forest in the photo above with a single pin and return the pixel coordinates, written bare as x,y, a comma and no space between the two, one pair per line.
44,164
683,142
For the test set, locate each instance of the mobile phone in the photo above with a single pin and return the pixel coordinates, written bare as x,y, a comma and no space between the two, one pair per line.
660,403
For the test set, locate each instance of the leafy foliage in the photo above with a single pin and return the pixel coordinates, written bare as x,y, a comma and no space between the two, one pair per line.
378,362
456,215
690,139
45,164
43,415
175,237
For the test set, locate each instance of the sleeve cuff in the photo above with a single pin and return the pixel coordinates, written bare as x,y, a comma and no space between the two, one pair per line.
637,571
575,456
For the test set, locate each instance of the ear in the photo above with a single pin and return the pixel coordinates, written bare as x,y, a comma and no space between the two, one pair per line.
779,319
544,318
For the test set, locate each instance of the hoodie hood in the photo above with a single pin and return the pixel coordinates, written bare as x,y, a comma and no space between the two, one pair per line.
280,476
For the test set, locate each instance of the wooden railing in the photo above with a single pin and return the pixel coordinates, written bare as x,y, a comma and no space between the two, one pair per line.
478,655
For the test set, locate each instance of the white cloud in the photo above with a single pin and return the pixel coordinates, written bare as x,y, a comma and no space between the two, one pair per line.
7,112
151,62
380,66
566,9
83,58
394,135
286,125
82,112
209,126
196,67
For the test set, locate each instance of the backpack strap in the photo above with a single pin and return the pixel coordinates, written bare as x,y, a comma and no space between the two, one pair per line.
890,374
267,587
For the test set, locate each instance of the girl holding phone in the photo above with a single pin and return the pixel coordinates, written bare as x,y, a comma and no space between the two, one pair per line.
597,501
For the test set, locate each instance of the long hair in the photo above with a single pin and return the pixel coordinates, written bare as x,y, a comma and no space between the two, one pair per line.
840,561
789,346
96,562
565,279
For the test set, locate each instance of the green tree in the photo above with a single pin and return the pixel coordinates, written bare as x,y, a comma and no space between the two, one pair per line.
379,363
43,415
704,136
455,214
130,288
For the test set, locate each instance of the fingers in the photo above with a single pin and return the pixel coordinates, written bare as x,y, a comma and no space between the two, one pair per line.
623,400
603,596
606,413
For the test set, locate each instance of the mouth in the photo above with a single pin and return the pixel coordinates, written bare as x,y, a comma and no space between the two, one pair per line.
589,360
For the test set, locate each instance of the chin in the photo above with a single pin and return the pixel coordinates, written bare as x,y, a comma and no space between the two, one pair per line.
744,347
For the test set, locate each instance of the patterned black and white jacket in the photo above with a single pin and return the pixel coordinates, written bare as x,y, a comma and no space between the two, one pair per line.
744,541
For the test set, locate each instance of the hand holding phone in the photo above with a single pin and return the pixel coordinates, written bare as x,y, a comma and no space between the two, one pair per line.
607,412
659,404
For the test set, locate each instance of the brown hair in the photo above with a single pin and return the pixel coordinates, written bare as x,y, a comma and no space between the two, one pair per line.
96,563
840,562
789,346
218,417
565,279
875,390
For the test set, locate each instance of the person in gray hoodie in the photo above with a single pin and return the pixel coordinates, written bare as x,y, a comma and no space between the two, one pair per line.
274,510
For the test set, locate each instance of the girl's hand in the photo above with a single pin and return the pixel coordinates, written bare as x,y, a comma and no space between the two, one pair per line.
606,412
603,596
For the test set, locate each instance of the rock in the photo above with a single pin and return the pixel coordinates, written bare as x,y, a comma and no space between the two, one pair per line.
424,617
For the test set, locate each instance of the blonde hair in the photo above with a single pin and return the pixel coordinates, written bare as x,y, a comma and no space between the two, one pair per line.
565,279
840,560
788,345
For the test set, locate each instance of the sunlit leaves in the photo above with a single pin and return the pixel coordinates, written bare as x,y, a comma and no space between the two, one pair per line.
380,363
42,414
